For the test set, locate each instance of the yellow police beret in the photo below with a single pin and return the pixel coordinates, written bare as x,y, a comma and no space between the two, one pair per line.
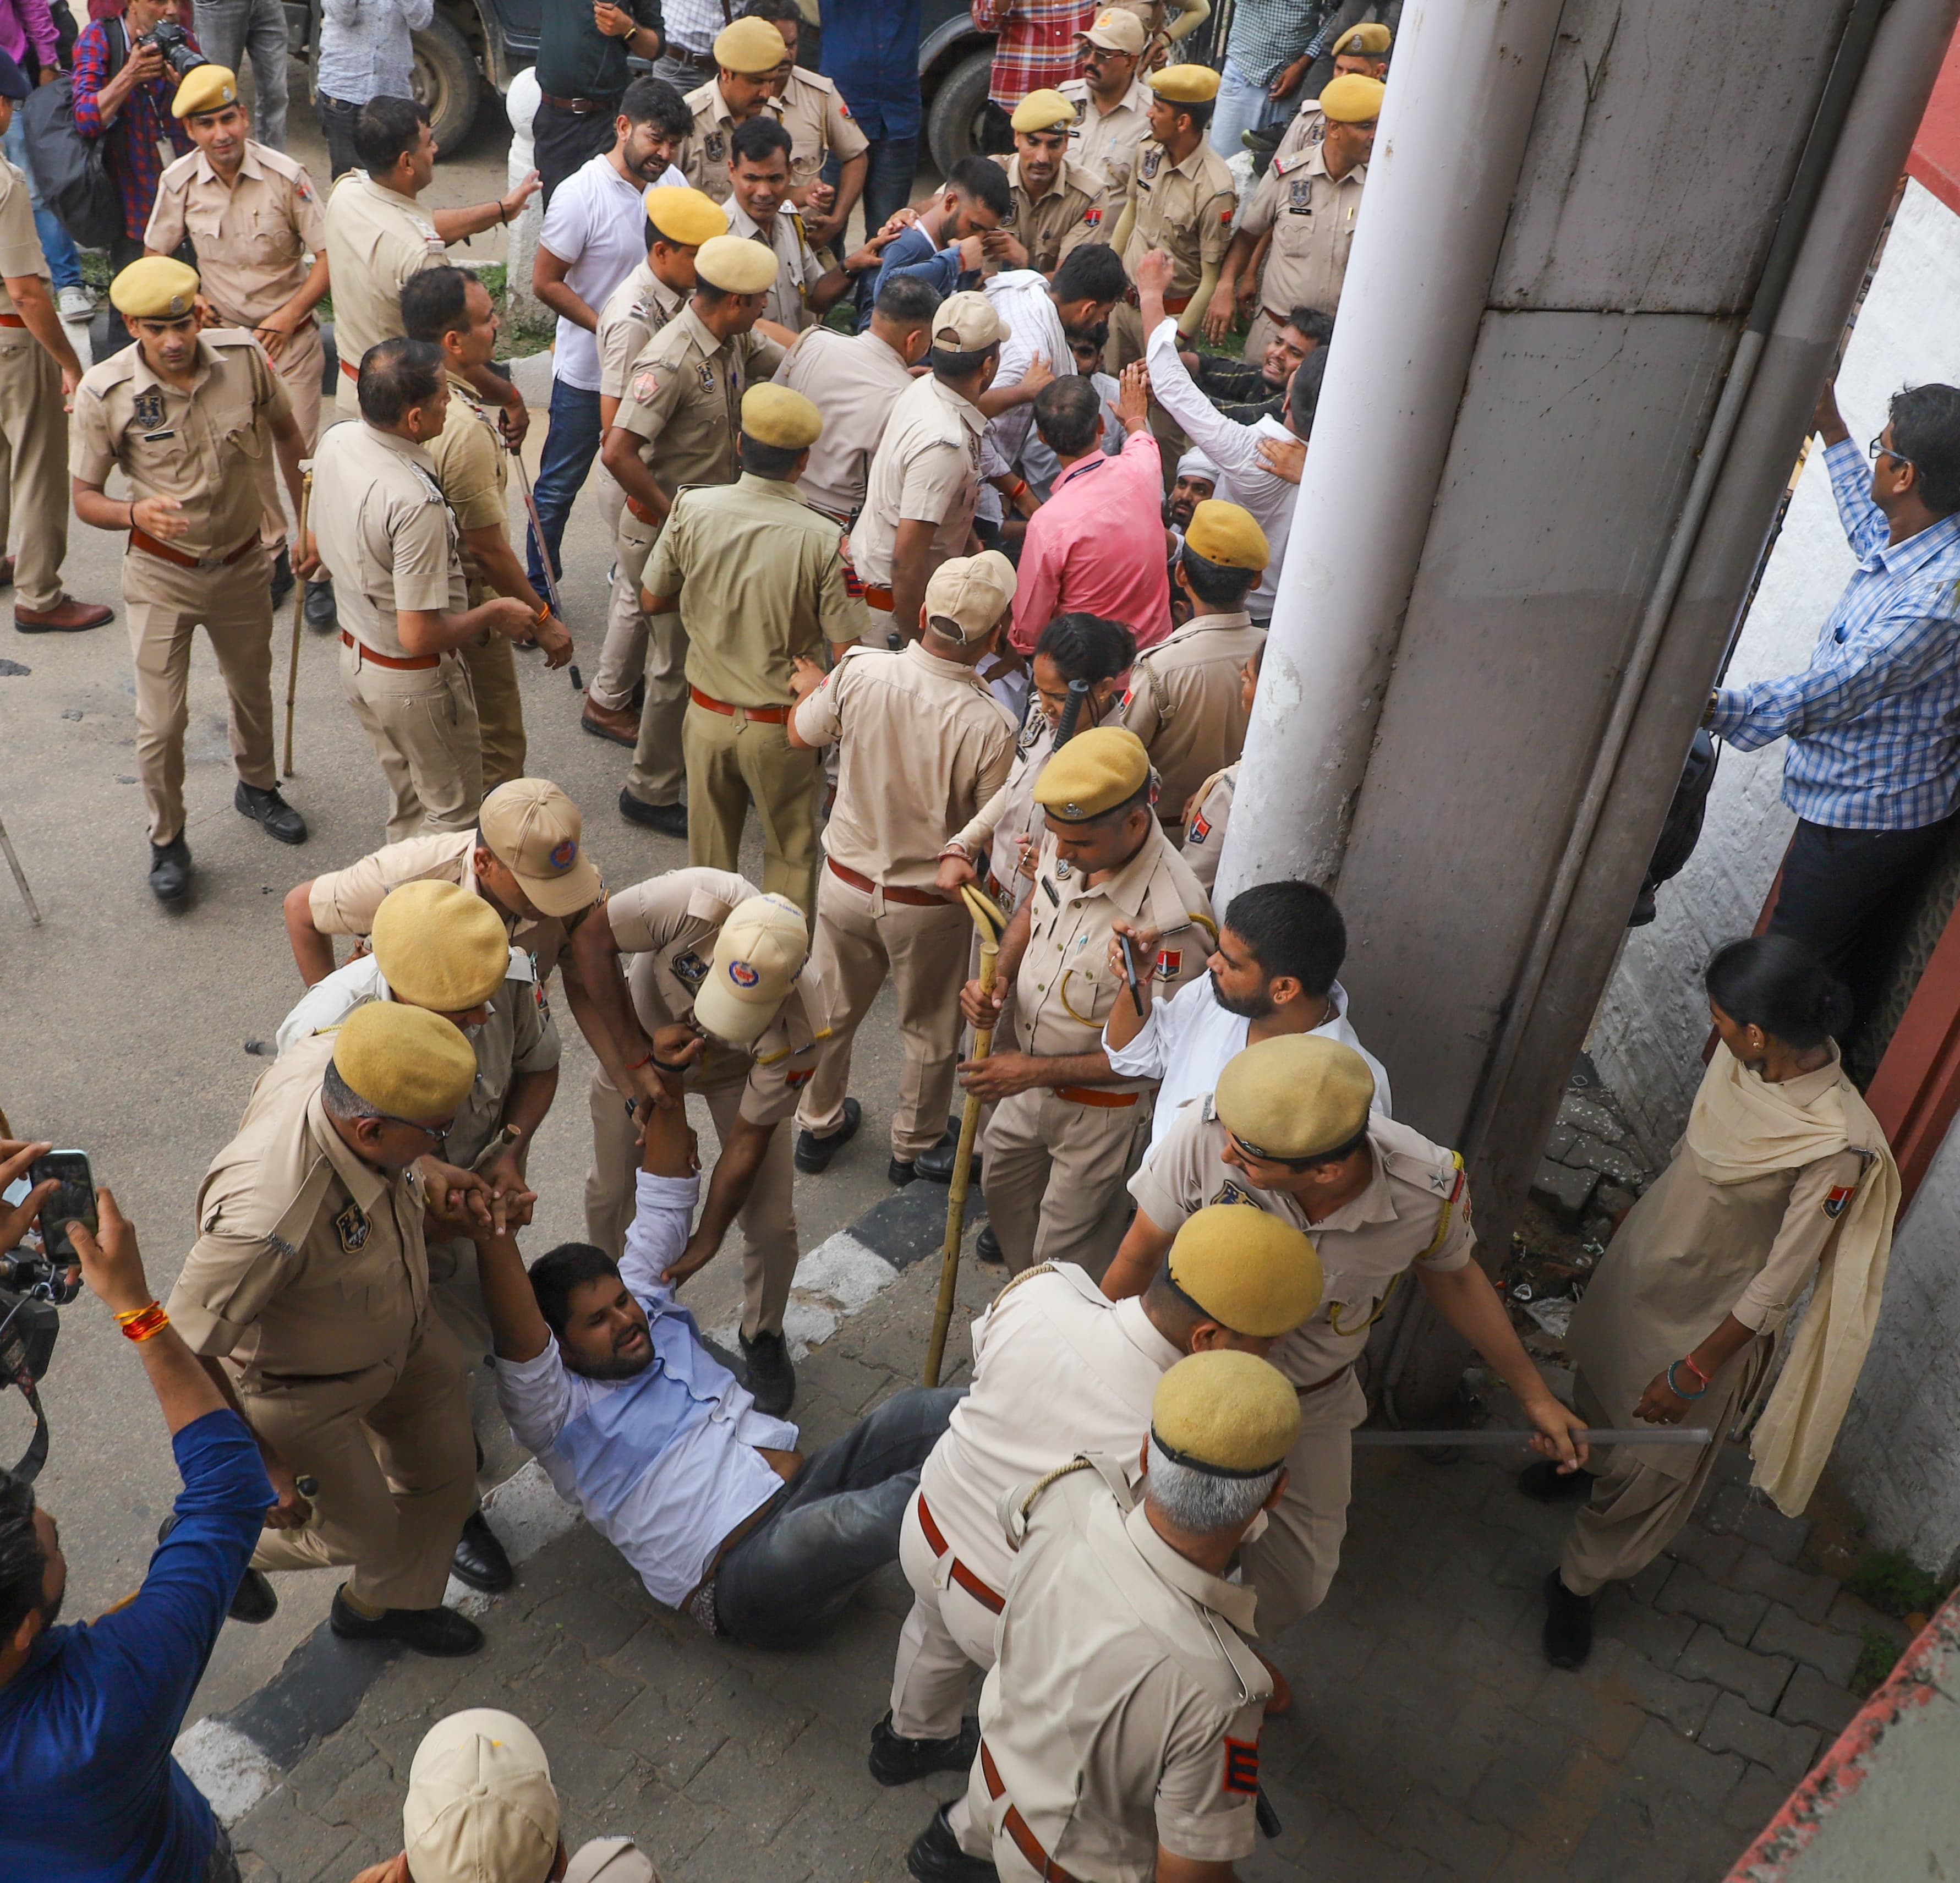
774,415
206,88
1297,1095
1245,1270
404,1061
1185,84
733,263
1094,772
1369,40
1352,99
1227,534
1226,1414
684,216
1042,111
158,287
439,946
753,46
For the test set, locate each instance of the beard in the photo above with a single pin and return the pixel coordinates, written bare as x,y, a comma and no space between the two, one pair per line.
1251,1006
617,1366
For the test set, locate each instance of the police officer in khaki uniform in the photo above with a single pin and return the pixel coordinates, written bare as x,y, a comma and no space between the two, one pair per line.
748,56
923,744
1111,103
678,425
1363,50
1181,200
724,1000
1208,816
1186,700
1059,203
310,1281
1059,1370
1066,1131
1289,1131
1119,1729
187,417
759,579
759,211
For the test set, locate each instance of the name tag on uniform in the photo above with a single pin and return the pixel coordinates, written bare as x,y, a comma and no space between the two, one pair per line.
1049,889
353,1228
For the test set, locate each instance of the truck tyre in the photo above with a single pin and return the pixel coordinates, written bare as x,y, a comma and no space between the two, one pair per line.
446,80
953,124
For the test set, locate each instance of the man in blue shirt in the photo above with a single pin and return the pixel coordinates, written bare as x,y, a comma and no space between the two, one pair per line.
1873,723
88,1713
871,53
945,247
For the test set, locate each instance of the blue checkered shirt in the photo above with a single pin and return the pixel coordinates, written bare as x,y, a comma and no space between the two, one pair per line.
1873,722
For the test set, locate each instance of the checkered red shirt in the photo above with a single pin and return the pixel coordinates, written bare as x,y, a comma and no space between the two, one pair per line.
144,119
1037,47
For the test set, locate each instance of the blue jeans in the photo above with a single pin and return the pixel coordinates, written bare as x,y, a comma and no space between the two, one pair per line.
887,180
570,445
56,244
1241,106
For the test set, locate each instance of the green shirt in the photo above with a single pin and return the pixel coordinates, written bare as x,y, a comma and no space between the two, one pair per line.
575,59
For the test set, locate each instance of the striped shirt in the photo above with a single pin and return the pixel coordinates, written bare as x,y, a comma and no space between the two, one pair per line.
1036,50
1874,721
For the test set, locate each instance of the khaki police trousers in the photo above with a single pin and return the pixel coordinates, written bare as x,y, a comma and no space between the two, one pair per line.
948,1634
656,650
33,467
1292,1565
301,362
767,1222
1054,1171
423,728
861,936
492,662
733,761
166,605
391,1446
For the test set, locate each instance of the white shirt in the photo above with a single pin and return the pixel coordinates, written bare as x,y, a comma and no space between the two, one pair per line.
670,1524
1189,1040
596,224
1021,298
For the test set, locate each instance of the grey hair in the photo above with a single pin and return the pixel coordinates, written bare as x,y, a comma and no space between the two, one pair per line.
1203,1504
342,1100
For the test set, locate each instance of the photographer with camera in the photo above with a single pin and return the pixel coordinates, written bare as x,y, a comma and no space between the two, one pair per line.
88,1714
126,74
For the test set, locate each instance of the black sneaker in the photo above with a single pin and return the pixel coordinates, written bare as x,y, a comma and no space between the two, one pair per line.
256,1600
322,613
771,1378
986,1245
813,1154
897,1761
270,812
169,870
670,820
282,575
441,1632
1544,1481
479,1560
1568,1625
936,1856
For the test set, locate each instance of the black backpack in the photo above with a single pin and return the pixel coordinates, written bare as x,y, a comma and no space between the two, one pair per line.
72,169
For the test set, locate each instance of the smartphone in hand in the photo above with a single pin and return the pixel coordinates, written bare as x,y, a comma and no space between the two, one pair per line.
73,1201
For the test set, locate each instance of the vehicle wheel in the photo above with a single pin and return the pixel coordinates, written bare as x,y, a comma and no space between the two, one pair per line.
953,125
446,80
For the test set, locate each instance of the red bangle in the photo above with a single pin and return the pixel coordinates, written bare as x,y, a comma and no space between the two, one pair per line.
144,1322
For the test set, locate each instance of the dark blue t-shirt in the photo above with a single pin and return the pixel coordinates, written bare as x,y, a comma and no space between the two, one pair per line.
870,52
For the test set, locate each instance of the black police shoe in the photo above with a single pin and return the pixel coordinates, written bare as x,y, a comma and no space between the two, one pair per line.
897,1761
256,1600
479,1560
986,1245
1568,1625
936,1165
169,870
441,1632
771,1377
813,1154
282,575
1544,1481
322,613
936,1856
670,820
270,812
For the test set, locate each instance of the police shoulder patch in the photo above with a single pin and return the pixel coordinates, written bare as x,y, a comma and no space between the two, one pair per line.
644,385
1242,1767
1837,1199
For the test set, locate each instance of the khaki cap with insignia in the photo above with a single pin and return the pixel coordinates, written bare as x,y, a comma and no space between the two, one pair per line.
967,595
404,1061
480,1802
439,946
533,829
1245,1270
1042,111
753,46
1227,534
966,323
1298,1095
732,263
684,216
1185,84
775,415
1369,40
760,951
158,287
1094,772
1226,1414
204,88
610,1860
1353,98
1117,31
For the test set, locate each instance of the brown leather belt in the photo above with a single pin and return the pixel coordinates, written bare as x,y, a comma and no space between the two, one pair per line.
878,598
1016,1826
917,899
420,663
763,715
1176,304
936,1541
1092,1095
142,539
640,510
1321,1385
12,320
584,107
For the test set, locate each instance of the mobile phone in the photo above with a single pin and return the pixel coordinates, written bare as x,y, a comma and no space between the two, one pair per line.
73,1201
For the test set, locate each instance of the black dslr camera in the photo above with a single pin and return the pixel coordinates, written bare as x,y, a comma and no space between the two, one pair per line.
34,1281
173,42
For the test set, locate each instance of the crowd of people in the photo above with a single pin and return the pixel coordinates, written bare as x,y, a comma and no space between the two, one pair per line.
951,556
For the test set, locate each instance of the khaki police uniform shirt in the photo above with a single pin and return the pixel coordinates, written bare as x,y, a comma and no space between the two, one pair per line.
761,579
820,124
1186,704
926,469
1308,128
798,269
21,252
683,399
377,238
1210,818
1312,217
922,744
1056,224
704,153
1124,1710
203,446
1184,209
1109,141
308,1262
668,924
855,379
251,235
633,313
383,531
1415,1212
472,468
1064,990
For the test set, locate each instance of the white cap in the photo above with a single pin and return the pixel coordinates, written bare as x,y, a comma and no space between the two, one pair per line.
1195,463
610,1860
759,952
480,1807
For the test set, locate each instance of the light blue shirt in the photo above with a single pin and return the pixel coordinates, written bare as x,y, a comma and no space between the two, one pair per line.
365,49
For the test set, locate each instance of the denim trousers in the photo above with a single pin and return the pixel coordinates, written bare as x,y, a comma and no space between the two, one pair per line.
227,29
888,179
336,126
1241,106
570,445
56,243
834,1524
